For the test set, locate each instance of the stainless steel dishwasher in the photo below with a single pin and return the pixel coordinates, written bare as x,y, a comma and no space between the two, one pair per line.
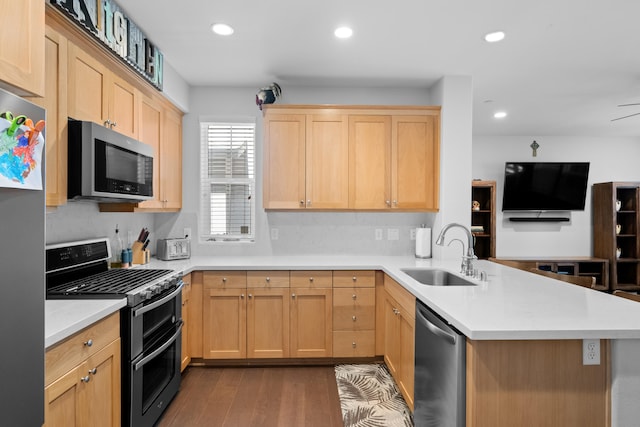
440,382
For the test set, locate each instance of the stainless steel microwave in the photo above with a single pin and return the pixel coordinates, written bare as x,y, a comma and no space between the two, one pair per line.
107,166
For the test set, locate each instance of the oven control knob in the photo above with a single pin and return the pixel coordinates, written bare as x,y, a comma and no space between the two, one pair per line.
146,294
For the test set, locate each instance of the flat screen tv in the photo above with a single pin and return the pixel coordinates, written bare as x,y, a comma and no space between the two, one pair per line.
545,186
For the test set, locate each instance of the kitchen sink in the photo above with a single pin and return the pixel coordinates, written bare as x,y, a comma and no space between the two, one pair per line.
436,277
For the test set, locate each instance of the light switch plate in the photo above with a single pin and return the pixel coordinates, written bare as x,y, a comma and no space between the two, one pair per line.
393,234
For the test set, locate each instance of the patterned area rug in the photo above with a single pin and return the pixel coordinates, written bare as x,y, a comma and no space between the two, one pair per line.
369,397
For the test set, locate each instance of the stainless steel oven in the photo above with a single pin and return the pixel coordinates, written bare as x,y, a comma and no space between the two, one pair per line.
151,371
151,322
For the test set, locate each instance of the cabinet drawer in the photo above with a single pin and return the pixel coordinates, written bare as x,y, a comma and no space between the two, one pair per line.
354,309
71,352
354,278
224,279
267,279
311,279
354,344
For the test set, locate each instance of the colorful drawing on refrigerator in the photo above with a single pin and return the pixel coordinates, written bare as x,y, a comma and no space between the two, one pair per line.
21,144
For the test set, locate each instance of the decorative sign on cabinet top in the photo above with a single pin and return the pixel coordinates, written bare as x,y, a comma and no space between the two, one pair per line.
106,21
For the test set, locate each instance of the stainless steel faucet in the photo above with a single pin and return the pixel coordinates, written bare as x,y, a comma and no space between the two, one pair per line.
468,256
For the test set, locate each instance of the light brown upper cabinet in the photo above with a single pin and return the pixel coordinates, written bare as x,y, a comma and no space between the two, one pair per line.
306,161
351,158
98,95
415,165
54,100
22,41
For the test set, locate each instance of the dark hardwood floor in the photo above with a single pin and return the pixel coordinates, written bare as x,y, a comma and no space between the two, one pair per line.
256,396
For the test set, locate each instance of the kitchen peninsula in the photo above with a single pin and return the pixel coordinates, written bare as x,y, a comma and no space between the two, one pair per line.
512,310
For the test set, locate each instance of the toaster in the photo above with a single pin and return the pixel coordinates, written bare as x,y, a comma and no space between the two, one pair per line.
170,249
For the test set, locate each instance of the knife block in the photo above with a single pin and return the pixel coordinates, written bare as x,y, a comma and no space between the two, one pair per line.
140,256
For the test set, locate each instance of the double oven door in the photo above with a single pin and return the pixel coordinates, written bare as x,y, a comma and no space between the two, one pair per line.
151,357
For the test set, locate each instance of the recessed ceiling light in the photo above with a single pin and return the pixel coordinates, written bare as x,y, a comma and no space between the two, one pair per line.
500,114
222,29
343,32
496,36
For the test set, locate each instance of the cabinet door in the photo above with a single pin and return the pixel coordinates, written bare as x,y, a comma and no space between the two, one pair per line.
61,402
87,87
100,394
311,322
284,161
267,323
415,160
225,324
369,162
123,106
406,361
185,358
150,129
22,39
327,162
391,336
171,160
55,102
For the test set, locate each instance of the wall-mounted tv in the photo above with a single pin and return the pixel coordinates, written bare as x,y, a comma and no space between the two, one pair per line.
545,186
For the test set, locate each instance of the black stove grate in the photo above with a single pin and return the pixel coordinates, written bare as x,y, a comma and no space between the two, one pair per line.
114,283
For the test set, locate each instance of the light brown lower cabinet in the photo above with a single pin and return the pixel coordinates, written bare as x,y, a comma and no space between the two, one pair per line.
536,383
399,339
186,322
82,381
270,319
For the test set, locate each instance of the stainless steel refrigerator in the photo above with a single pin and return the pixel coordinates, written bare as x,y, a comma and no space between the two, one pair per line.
22,268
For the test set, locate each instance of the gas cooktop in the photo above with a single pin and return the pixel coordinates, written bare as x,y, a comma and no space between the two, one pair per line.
80,270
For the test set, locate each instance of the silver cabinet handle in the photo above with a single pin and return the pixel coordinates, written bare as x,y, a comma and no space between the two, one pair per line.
354,296
387,202
241,296
107,122
311,279
93,371
268,279
354,318
302,202
224,279
85,379
88,343
250,296
395,203
308,202
353,344
293,295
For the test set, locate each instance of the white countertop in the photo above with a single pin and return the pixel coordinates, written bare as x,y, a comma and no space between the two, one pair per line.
512,304
63,318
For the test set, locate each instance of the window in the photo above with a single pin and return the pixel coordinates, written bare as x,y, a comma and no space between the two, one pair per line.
227,181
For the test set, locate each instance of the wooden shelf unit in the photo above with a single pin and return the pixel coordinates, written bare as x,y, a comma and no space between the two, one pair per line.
575,266
607,239
484,192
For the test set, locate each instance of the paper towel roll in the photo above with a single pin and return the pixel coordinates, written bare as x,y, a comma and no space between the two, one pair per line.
423,242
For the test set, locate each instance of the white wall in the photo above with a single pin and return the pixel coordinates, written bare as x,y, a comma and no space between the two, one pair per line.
611,159
315,232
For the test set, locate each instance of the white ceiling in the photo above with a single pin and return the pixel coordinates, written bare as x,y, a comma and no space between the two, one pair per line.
562,69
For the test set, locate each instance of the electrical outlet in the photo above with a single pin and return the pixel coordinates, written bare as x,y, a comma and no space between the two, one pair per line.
412,234
378,234
187,232
274,234
393,234
590,352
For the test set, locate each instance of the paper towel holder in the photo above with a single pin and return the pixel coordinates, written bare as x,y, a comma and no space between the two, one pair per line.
423,242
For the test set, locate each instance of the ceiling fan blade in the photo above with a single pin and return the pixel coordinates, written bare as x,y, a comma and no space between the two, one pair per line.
627,105
624,117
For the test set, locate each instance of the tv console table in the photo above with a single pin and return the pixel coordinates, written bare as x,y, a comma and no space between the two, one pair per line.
577,266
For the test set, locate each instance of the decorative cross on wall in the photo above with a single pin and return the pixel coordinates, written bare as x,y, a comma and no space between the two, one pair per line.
534,146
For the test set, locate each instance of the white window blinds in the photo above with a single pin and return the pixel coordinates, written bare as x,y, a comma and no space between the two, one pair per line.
227,176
